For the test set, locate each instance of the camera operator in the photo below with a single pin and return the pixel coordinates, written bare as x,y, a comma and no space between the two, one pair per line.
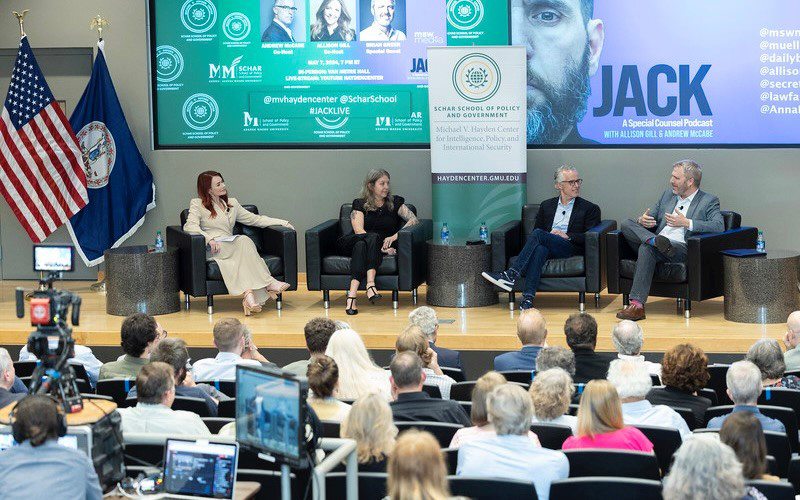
7,378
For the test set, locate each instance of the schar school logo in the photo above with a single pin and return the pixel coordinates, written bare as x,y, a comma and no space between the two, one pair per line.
476,77
198,16
169,63
332,123
236,26
200,111
99,153
464,14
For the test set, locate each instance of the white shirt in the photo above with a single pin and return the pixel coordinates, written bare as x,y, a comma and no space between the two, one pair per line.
373,33
222,367
83,356
570,421
563,213
679,233
645,413
162,420
443,382
652,368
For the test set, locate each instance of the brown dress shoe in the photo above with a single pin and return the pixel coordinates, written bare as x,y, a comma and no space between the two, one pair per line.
664,246
632,313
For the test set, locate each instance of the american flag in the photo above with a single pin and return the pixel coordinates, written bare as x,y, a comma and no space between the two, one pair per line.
42,171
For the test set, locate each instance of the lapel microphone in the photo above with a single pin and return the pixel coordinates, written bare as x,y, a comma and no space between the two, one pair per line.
564,212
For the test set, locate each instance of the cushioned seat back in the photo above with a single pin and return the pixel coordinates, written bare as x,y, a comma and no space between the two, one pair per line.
732,220
346,227
529,212
249,231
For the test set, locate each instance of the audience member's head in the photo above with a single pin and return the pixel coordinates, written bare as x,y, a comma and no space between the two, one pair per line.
766,354
414,340
173,352
743,433
510,410
551,393
370,424
581,331
407,374
793,322
703,468
556,357
342,325
627,337
685,367
7,372
155,384
425,318
416,468
744,383
355,364
140,333
600,410
318,331
36,419
630,378
531,327
323,375
483,386
229,335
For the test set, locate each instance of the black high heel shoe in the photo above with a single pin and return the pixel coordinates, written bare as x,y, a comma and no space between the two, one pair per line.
350,308
375,297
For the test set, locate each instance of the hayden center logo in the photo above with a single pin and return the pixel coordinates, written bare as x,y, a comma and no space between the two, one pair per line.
236,26
99,153
198,16
476,77
464,14
169,63
200,111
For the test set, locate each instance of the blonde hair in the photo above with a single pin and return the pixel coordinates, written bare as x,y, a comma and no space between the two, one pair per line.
414,339
356,368
600,410
551,392
416,468
484,385
370,424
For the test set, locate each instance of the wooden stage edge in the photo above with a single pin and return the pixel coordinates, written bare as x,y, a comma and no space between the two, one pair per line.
489,328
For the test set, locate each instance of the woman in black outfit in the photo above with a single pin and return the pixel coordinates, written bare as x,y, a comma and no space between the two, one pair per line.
375,218
684,370
333,23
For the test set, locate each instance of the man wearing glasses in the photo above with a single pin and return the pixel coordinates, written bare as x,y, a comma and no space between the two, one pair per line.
280,29
558,233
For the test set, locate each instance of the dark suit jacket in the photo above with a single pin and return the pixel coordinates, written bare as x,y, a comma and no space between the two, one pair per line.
590,365
447,357
585,215
275,33
524,359
704,212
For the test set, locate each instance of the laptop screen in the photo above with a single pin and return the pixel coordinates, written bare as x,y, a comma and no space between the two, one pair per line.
200,468
7,441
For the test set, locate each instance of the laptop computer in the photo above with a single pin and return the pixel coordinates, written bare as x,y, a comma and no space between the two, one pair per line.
199,469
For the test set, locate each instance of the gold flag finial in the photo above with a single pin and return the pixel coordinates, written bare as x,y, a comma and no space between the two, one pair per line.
21,19
98,23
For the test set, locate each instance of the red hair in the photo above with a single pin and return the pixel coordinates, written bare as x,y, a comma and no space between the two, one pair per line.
203,188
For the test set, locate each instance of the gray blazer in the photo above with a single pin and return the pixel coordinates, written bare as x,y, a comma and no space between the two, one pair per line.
704,213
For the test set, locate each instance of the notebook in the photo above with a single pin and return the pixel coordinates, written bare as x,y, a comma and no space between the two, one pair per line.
743,252
199,469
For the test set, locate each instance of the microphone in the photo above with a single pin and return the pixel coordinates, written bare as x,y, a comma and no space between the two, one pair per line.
564,212
680,208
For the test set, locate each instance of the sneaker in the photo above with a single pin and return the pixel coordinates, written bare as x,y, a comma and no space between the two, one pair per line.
501,279
527,303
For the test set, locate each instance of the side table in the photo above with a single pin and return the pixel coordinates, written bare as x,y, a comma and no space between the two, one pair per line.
141,280
761,289
454,275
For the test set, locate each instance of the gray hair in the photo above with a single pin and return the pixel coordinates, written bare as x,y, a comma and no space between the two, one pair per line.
341,325
509,409
425,318
690,169
551,393
704,469
630,378
558,175
556,357
766,354
627,337
6,363
406,369
744,382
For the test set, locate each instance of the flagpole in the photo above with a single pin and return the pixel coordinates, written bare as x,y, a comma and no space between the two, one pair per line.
21,20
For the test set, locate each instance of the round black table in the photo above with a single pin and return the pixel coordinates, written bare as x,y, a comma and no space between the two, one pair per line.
761,289
454,275
139,279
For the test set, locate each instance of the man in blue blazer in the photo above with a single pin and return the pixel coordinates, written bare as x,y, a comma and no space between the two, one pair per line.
425,318
532,332
682,211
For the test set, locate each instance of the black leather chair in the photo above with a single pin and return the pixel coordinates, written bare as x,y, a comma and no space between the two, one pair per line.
443,432
480,488
603,488
617,463
580,273
699,278
199,277
326,270
666,442
551,436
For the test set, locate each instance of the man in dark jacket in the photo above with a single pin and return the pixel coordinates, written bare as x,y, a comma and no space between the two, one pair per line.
581,332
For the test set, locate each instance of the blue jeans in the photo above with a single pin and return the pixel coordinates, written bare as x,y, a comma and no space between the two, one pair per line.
540,246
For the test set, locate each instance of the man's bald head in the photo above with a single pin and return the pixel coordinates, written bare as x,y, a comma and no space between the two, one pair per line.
531,327
793,322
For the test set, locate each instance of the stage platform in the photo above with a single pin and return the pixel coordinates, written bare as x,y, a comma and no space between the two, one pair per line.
490,328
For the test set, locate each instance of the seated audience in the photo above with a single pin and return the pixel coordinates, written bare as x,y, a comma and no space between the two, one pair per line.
7,377
744,387
628,339
40,467
412,339
323,376
370,424
632,382
155,390
480,419
416,468
600,423
317,332
510,454
742,432
358,374
140,335
767,356
83,356
581,332
551,393
790,340
411,403
236,347
425,318
532,332
556,357
684,371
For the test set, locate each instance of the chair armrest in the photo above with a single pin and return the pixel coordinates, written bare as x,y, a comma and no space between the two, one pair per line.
704,264
412,254
320,241
282,241
191,260
594,250
506,243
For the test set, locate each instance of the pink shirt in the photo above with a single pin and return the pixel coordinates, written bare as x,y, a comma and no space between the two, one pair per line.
627,438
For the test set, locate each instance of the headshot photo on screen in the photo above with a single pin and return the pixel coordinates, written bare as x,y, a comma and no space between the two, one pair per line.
382,20
333,20
564,43
283,21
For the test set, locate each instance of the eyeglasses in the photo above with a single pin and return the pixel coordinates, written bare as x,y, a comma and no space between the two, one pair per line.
576,182
293,9
163,334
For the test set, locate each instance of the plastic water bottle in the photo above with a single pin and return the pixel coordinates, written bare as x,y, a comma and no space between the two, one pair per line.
484,232
761,245
445,233
159,242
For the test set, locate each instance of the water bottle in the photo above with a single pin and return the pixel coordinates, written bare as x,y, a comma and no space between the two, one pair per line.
445,233
159,242
761,245
484,232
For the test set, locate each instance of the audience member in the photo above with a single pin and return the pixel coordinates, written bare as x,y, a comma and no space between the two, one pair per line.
510,454
628,339
413,339
479,415
551,393
416,468
790,341
358,374
341,325
767,356
532,332
83,356
235,346
600,423
742,432
140,335
370,424
155,389
317,332
40,467
581,332
323,376
411,403
425,318
632,382
7,377
684,371
744,387
556,357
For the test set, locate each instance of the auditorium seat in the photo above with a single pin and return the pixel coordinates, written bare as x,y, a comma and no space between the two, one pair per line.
462,391
443,432
774,490
432,390
466,405
371,485
794,474
480,488
451,460
777,446
521,376
214,424
709,394
330,429
454,373
270,481
718,384
551,436
24,368
227,408
117,388
686,414
605,488
194,405
226,387
780,396
785,415
616,463
666,441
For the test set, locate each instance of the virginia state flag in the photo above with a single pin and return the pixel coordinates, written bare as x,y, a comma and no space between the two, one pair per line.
121,188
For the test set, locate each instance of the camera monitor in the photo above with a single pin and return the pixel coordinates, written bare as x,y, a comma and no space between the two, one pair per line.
271,413
53,258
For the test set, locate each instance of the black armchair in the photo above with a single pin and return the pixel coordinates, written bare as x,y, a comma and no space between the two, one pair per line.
580,273
277,245
326,270
699,278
